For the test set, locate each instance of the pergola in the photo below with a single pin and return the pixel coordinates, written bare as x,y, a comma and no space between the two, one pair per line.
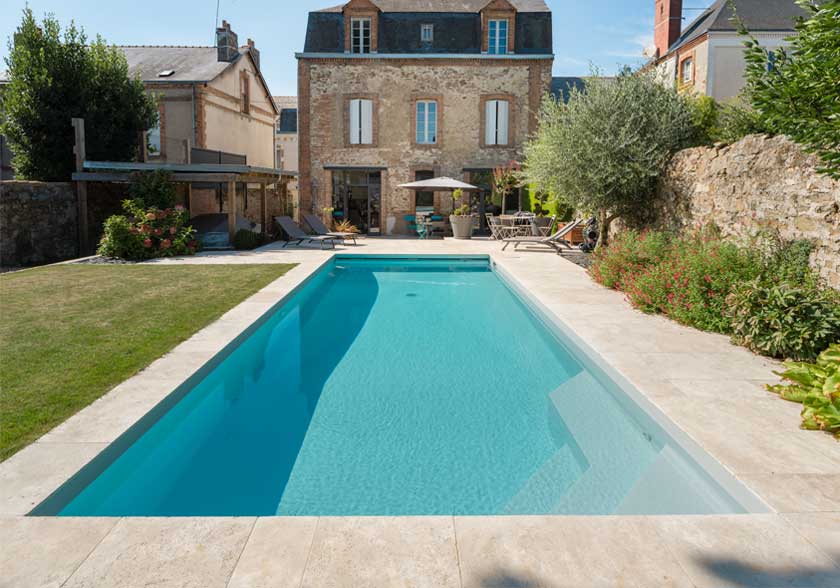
186,173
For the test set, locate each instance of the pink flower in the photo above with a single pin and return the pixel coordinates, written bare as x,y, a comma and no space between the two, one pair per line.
179,208
147,243
172,230
165,244
158,232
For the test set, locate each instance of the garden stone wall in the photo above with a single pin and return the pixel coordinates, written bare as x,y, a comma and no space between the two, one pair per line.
757,182
37,223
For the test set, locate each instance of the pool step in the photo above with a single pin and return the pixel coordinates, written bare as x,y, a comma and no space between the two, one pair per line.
545,486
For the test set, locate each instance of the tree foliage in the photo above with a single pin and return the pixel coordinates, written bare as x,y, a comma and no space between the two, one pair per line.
55,76
796,91
603,150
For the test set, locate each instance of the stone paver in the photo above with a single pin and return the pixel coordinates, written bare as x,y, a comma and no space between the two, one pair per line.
183,552
710,388
40,551
276,553
357,552
756,550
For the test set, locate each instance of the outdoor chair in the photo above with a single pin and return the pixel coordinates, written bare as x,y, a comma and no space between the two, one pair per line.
317,225
556,241
297,236
494,223
541,225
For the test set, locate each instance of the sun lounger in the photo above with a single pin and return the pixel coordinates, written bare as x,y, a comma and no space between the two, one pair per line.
297,236
317,225
555,241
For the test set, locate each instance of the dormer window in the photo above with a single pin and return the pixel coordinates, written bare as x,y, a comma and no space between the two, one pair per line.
497,37
360,35
427,33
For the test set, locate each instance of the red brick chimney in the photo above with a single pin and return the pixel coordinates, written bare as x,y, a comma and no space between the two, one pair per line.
667,23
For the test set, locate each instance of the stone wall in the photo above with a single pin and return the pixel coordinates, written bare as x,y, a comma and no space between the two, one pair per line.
757,182
37,223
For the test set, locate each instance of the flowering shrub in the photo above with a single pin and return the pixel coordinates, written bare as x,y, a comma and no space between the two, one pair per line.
144,233
629,253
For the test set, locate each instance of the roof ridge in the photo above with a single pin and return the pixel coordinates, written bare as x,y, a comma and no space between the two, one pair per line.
167,46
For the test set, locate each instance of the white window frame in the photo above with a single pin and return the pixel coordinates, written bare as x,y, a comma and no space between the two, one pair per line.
497,122
427,33
687,70
357,44
361,121
494,42
426,131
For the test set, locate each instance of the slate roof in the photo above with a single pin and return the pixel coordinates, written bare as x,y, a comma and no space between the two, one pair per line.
288,113
191,64
758,15
447,6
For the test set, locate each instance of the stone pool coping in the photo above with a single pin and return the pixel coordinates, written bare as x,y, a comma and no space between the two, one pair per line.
709,388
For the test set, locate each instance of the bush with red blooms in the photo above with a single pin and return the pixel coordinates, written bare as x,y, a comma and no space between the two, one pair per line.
686,277
145,233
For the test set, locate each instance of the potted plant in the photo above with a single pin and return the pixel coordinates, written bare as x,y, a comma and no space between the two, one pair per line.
461,218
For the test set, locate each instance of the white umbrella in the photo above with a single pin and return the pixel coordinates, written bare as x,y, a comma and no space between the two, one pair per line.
442,184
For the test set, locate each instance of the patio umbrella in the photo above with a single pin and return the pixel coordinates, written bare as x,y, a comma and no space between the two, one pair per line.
442,184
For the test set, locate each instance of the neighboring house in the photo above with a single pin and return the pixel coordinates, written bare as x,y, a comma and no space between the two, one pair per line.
286,140
392,91
707,57
215,98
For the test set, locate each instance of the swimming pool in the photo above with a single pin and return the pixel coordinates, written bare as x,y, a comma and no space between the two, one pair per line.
402,386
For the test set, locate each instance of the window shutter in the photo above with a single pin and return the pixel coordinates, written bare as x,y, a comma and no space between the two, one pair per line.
490,122
354,122
367,122
503,117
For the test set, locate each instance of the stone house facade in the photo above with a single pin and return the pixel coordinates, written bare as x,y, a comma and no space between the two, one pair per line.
286,140
707,57
394,91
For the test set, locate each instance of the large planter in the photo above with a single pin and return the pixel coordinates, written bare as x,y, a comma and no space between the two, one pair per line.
462,226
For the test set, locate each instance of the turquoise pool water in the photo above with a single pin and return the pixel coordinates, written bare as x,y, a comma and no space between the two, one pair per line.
399,387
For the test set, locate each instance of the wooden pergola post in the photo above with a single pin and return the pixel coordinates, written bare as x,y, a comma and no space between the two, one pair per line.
81,186
231,210
263,208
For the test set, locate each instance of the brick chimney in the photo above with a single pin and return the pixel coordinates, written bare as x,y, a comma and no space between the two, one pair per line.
667,24
255,53
227,43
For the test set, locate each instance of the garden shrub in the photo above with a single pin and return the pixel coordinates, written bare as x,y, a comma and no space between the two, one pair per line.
784,319
786,312
153,190
817,386
144,233
247,239
628,254
691,282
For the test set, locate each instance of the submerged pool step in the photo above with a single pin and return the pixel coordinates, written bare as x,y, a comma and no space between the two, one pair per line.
546,486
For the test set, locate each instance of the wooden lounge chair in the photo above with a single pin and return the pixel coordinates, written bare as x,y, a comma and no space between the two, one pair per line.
555,241
317,225
297,236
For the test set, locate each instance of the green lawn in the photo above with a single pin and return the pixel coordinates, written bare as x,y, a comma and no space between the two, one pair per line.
70,333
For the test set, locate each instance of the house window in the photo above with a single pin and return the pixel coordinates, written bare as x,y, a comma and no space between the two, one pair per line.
687,73
245,94
426,122
497,115
427,33
360,35
497,37
153,140
361,122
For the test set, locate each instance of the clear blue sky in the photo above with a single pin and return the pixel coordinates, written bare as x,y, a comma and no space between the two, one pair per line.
608,33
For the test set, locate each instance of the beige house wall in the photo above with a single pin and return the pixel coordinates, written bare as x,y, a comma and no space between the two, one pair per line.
727,64
229,129
327,85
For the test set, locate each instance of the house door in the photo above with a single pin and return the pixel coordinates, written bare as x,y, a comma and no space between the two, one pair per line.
357,197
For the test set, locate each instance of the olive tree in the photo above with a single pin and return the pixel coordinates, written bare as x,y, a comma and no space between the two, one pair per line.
603,150
55,76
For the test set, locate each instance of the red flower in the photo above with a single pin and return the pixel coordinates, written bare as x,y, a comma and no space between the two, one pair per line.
179,208
161,214
172,230
158,232
147,243
165,244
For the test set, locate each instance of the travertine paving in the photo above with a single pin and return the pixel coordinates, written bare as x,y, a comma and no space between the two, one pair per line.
709,388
